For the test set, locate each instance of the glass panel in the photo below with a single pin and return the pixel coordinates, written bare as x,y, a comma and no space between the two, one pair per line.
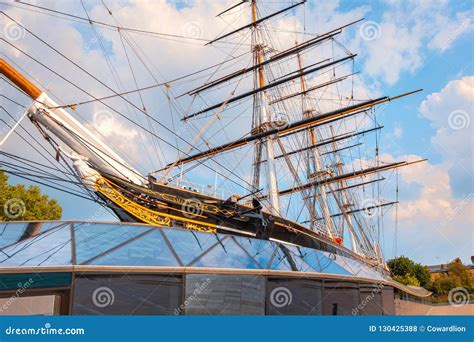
370,300
52,247
210,294
188,244
280,262
294,297
11,233
340,297
295,255
260,250
227,255
131,294
322,263
94,239
146,250
357,268
388,300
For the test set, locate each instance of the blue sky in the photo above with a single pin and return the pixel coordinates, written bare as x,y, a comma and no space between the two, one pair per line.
419,44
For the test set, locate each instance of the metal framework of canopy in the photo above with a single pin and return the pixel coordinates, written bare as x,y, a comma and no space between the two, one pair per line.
69,245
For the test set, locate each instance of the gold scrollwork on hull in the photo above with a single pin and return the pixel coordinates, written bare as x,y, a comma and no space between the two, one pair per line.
182,201
199,228
146,215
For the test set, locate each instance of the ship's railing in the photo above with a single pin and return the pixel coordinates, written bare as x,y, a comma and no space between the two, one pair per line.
205,189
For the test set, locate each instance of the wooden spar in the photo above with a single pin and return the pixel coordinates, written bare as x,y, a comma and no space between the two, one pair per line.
300,68
357,185
361,209
348,176
320,123
267,86
341,149
304,92
19,80
244,141
272,59
256,22
285,53
232,7
328,141
283,131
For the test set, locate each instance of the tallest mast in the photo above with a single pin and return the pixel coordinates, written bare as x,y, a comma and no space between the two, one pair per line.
264,119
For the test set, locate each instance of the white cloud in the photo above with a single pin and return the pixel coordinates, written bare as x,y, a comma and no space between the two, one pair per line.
405,31
451,112
435,223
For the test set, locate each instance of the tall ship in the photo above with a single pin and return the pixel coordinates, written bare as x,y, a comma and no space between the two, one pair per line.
267,144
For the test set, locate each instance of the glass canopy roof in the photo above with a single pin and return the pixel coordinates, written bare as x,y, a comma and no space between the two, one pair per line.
122,244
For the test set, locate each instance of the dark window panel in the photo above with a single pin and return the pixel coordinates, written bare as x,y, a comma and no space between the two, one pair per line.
370,300
340,297
294,297
132,294
388,300
208,294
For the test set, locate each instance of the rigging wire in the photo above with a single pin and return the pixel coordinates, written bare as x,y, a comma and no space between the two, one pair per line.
91,21
113,109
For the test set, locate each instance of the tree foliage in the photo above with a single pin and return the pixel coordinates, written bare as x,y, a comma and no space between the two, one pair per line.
405,269
21,203
457,276
407,279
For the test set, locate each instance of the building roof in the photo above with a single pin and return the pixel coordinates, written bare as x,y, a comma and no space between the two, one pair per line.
443,267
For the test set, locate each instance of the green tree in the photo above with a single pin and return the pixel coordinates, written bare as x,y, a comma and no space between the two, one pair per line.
422,274
407,279
401,266
457,275
459,271
20,203
404,268
444,283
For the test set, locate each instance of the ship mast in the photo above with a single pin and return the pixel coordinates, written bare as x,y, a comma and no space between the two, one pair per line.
264,120
314,164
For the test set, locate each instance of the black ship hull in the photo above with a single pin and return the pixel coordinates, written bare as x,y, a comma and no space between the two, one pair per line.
165,205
